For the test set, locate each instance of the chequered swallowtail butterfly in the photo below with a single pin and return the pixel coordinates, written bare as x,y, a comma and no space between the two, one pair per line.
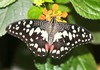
56,37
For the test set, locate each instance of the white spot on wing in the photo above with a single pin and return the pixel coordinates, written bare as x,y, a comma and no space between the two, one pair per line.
73,35
58,52
76,35
56,57
16,25
30,48
86,35
31,32
26,39
24,22
70,36
66,48
24,29
82,40
28,26
36,45
20,33
68,44
78,29
43,49
31,22
65,33
82,30
62,55
44,34
19,22
39,49
31,44
17,28
38,30
16,33
27,30
79,40
88,39
52,56
23,36
13,32
62,48
9,30
13,27
9,26
74,31
76,42
36,37
31,39
83,35
90,35
34,52
54,51
57,36
72,44
85,39
73,27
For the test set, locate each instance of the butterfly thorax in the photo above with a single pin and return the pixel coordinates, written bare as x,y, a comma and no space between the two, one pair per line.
52,29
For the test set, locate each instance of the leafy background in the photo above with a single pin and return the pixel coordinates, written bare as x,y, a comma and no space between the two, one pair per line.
15,54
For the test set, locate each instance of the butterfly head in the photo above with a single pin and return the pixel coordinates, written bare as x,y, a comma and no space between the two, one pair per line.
53,20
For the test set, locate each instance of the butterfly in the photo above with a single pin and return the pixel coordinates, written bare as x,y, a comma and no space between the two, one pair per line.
57,38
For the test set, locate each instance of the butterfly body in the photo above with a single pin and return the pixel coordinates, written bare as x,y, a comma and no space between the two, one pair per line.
49,36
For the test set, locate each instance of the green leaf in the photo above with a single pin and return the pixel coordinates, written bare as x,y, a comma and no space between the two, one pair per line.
87,8
96,37
44,66
64,8
62,1
34,12
12,13
83,60
4,3
80,59
49,1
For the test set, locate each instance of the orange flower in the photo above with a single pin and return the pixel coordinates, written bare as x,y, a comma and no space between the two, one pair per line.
55,7
54,12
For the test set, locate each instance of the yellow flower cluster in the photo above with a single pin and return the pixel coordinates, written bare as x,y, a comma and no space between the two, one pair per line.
54,12
38,2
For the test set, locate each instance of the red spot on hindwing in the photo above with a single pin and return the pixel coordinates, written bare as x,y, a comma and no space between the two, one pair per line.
47,47
51,47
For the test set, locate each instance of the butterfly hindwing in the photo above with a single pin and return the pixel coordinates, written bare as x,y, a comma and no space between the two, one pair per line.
31,33
69,37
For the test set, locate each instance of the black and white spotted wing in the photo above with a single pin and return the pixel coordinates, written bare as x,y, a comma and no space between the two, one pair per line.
31,32
68,37
55,37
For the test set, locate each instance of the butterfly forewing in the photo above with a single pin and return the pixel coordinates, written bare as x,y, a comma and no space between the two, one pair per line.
32,33
69,36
